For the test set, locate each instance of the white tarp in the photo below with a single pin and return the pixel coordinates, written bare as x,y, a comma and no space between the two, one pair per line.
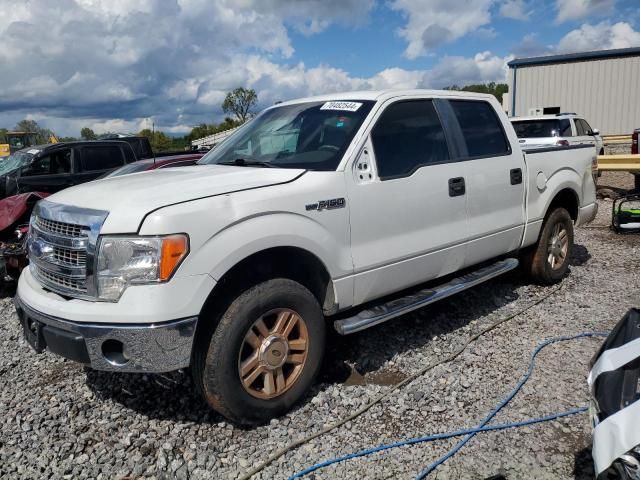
620,432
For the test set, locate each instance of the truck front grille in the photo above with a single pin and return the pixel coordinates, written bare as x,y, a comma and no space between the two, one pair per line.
60,228
66,256
58,282
62,241
58,255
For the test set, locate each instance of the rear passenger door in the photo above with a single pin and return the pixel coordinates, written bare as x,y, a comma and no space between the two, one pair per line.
407,207
96,160
494,177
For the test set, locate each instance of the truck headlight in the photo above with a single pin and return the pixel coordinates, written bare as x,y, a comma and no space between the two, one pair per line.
124,261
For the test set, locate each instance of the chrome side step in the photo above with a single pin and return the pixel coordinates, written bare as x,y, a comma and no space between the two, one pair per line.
399,306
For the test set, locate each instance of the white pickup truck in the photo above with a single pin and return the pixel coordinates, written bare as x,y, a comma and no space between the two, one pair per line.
304,218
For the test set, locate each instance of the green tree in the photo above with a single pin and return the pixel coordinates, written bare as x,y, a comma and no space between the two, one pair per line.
3,135
493,88
239,102
87,134
227,124
42,134
204,129
160,142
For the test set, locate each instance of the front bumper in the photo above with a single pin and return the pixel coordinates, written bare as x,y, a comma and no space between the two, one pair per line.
153,348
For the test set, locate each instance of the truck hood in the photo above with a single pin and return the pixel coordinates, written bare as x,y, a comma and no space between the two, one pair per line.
131,197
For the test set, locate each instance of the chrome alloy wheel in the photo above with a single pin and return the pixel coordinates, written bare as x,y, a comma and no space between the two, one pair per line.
558,246
273,353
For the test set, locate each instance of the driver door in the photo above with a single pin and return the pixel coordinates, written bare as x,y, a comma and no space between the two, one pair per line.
49,173
407,202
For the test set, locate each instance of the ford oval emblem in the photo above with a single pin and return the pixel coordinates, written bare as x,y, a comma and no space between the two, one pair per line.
40,249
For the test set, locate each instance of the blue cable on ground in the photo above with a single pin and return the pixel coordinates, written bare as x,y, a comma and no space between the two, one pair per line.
470,432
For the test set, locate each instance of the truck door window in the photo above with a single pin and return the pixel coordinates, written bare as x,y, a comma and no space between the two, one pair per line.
586,128
101,157
53,164
580,132
565,128
129,155
407,136
481,128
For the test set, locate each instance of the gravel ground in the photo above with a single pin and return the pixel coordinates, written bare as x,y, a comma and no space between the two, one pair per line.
60,420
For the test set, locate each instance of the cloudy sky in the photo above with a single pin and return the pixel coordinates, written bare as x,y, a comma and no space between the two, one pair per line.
118,65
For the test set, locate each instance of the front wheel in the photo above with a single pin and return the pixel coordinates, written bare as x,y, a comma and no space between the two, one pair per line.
548,261
264,354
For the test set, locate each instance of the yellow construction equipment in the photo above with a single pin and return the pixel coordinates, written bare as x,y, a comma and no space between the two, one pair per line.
17,141
621,163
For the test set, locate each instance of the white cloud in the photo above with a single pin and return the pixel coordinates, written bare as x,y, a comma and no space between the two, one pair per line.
514,9
171,59
121,65
530,46
432,23
483,67
311,16
601,36
577,9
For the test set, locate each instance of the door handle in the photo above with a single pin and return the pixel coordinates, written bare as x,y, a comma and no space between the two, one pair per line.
516,176
456,187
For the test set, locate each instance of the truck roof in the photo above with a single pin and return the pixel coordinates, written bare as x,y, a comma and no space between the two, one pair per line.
378,95
545,117
52,146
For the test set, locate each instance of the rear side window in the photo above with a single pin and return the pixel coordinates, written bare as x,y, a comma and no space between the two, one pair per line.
481,128
408,135
101,157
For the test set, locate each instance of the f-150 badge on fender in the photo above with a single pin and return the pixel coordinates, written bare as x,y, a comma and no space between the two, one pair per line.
327,204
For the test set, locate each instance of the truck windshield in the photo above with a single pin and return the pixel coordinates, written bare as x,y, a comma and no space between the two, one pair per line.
312,135
538,128
15,161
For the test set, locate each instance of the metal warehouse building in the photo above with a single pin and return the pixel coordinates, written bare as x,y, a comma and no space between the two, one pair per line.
602,86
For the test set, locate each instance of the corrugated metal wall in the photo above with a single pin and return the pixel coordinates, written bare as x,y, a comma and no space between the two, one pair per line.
606,92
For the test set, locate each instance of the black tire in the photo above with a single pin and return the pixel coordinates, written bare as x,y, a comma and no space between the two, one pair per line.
216,369
537,262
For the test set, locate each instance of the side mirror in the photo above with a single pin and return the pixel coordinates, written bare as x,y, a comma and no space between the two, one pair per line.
595,131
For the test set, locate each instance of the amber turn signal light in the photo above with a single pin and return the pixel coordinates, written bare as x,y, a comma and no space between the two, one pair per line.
174,249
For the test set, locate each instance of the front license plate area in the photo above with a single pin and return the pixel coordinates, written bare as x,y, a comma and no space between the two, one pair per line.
33,334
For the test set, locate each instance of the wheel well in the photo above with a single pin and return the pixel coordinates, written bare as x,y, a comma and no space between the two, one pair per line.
567,199
280,262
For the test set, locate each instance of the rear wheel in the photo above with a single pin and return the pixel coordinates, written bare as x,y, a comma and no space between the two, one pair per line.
548,261
264,354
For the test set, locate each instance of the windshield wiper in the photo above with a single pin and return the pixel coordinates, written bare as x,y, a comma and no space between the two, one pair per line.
243,162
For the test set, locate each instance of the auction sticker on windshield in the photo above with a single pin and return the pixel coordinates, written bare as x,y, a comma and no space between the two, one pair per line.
344,106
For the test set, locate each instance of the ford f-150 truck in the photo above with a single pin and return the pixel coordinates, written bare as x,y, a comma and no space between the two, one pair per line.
344,210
